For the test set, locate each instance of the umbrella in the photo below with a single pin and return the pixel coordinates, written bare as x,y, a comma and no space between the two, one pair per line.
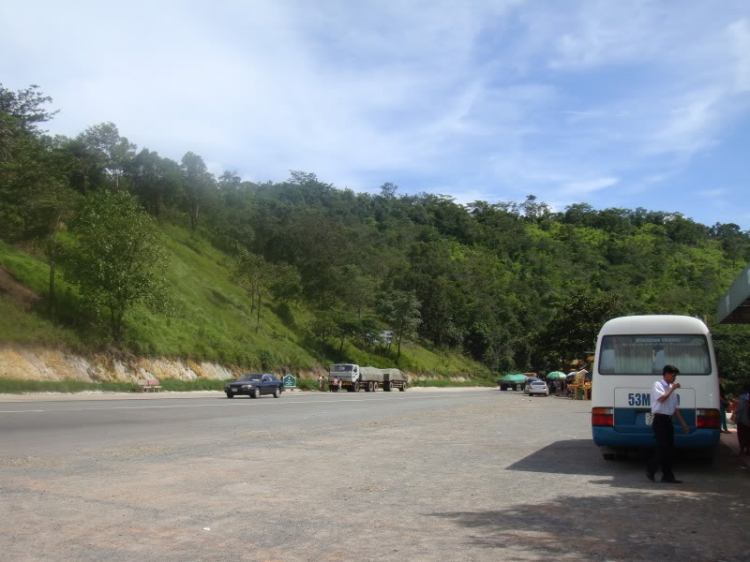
572,374
513,379
556,376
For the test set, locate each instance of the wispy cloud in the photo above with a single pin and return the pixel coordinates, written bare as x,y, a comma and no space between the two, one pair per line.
481,99
580,188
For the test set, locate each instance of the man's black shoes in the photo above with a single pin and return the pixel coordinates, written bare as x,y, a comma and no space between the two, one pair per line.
673,480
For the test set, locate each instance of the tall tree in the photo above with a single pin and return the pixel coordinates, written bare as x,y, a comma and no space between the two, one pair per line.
113,152
155,181
572,331
196,179
116,260
401,309
27,107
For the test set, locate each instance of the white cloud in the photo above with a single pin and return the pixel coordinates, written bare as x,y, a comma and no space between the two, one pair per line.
712,193
579,188
603,32
480,99
739,32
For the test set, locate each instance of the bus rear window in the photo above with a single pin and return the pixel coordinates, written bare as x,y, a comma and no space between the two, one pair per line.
647,355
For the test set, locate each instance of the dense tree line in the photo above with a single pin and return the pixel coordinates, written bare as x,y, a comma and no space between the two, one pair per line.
514,285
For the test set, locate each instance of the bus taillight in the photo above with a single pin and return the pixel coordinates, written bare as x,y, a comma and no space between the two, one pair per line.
603,417
707,419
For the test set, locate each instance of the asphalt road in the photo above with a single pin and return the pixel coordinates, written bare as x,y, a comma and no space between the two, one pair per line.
416,476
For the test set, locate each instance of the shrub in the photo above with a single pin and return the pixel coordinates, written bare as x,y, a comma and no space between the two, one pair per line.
17,386
307,384
442,383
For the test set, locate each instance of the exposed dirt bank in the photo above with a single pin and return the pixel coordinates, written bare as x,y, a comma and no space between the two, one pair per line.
40,363
46,364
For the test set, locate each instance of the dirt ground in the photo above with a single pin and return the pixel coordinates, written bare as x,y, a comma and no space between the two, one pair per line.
430,476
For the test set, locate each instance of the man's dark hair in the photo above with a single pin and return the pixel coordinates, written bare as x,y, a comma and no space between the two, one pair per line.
670,370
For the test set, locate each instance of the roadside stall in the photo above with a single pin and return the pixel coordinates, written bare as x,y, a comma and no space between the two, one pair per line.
579,387
558,378
513,381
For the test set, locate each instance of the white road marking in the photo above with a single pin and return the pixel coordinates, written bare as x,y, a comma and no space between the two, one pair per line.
223,405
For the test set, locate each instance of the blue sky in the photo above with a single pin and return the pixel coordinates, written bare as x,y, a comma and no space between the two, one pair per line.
613,103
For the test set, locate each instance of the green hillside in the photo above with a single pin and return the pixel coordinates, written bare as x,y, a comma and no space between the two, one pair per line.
211,320
158,258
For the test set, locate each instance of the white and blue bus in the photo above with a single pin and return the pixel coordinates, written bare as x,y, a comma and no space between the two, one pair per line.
631,352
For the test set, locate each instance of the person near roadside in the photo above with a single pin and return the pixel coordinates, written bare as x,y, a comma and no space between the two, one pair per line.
321,385
723,406
742,419
663,407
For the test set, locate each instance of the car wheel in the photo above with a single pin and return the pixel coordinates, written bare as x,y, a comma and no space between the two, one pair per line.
609,453
255,393
230,395
276,392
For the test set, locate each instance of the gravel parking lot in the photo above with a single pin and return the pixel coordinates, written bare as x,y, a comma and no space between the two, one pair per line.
469,474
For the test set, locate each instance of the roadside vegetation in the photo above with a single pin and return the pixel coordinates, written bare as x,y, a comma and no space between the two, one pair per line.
15,386
443,383
107,247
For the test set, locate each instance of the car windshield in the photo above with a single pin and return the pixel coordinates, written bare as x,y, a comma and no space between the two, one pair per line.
341,368
249,377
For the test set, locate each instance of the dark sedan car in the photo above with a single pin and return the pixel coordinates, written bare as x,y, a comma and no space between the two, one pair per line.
254,385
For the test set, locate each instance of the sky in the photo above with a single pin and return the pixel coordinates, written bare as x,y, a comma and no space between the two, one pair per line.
612,103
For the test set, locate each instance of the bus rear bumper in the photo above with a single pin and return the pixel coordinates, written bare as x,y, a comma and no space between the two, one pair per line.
697,439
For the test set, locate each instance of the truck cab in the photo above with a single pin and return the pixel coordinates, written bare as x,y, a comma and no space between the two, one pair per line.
347,374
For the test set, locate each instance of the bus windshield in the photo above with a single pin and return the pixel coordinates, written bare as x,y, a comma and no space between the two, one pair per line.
647,355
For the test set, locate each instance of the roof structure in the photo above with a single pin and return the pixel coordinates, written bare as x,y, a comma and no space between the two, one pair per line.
734,306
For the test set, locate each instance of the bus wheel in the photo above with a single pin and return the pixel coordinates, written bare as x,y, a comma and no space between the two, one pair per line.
706,456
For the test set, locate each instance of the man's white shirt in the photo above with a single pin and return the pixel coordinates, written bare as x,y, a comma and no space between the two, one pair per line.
667,407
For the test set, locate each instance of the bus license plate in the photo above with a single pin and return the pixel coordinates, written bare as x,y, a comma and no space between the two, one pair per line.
649,419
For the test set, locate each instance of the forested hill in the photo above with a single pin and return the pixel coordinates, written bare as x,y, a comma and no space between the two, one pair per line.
117,246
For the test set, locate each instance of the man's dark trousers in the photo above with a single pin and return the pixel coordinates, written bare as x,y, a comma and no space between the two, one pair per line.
664,433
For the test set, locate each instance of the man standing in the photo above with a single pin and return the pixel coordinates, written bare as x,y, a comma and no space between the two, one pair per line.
663,407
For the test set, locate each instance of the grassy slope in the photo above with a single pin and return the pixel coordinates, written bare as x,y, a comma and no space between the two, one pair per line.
212,321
